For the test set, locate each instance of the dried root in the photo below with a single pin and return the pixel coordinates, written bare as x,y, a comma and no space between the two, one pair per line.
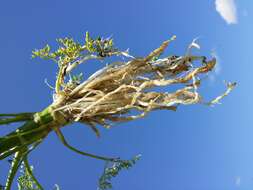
125,91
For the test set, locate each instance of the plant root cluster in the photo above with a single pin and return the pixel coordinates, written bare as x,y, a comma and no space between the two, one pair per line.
124,91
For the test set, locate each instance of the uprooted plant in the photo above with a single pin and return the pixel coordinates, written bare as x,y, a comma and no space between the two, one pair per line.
121,91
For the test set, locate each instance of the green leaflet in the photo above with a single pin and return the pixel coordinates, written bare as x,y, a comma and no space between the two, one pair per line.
113,170
70,50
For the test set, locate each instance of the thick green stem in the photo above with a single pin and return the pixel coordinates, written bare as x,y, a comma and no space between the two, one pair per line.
30,132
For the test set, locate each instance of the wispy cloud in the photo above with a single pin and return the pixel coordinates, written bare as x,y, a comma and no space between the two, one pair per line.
227,10
217,68
237,181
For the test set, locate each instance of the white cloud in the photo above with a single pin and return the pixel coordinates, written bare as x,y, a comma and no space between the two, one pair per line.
227,10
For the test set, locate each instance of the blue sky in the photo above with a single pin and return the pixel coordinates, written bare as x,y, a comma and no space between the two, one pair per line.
195,148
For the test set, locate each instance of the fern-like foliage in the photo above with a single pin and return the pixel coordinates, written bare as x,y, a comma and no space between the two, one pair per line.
70,50
112,170
25,181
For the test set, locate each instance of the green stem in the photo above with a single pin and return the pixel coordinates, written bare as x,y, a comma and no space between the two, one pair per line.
11,143
9,152
28,168
65,143
32,147
13,170
40,128
28,114
12,118
31,132
59,79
